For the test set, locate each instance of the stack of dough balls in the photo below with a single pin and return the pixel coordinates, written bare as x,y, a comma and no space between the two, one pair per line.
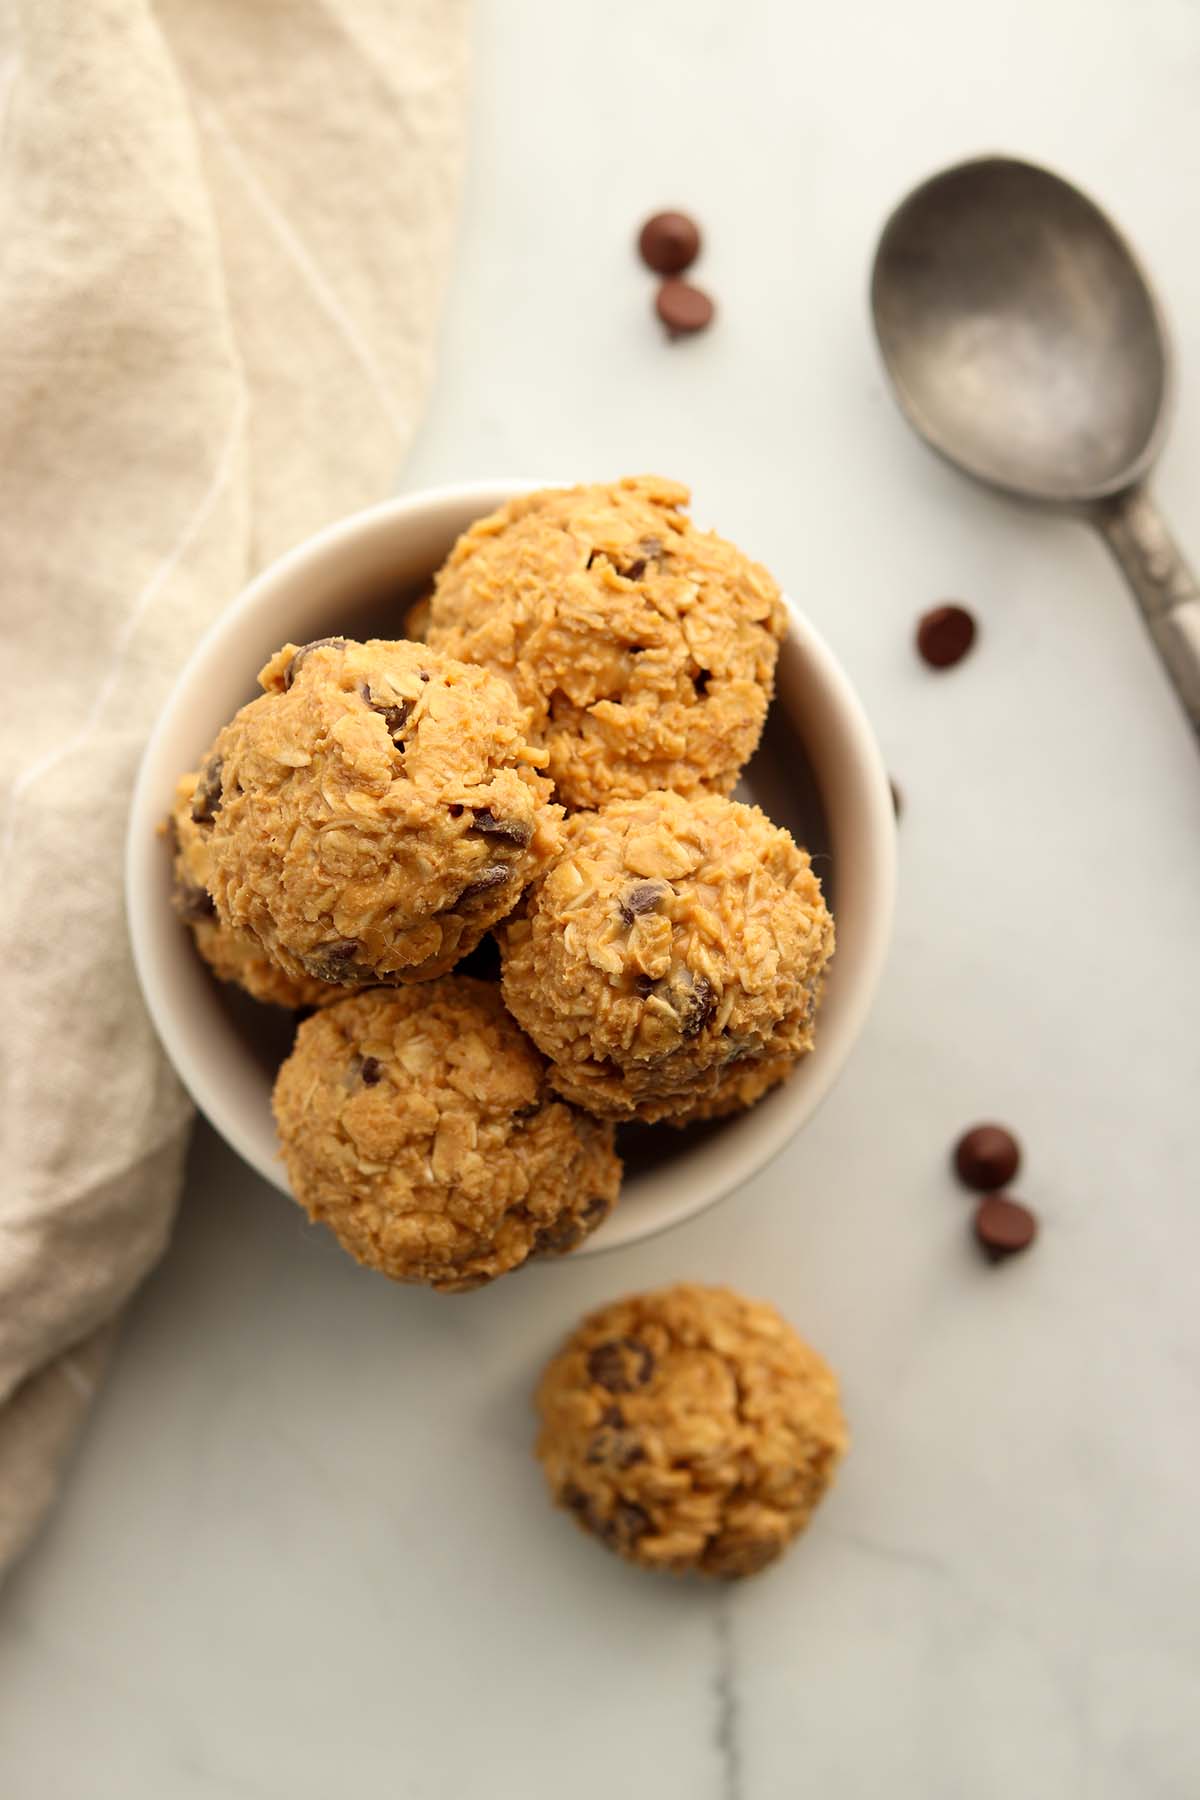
551,765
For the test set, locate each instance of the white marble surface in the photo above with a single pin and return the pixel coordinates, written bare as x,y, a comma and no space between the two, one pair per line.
304,1551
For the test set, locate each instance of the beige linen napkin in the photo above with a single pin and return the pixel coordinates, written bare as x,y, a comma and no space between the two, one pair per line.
224,230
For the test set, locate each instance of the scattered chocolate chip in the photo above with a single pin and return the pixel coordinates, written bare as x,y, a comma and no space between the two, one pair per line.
683,309
987,1157
574,1497
511,831
192,902
642,897
612,1448
1003,1227
294,667
372,1071
669,242
897,799
612,1415
490,878
944,635
620,1364
644,986
595,1210
456,811
522,1113
700,682
635,570
206,800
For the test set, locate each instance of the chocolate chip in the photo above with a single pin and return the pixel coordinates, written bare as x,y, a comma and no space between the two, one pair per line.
620,1365
698,1008
595,1210
192,902
557,1239
206,801
575,1498
492,877
372,1071
612,1415
511,831
683,308
629,1522
944,635
644,986
635,570
522,1113
700,682
987,1157
337,962
614,1449
669,242
395,714
1003,1227
295,665
642,897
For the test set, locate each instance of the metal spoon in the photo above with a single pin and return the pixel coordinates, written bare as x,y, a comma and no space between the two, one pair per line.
1025,345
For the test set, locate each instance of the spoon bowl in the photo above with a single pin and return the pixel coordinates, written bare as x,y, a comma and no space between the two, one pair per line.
1025,344
1020,333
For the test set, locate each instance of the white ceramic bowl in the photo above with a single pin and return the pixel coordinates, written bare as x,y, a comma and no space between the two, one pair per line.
818,771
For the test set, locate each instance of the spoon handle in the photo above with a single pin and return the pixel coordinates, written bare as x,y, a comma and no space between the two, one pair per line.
1165,588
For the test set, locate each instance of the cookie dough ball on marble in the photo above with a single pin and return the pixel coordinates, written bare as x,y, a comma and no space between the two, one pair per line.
669,960
418,1124
374,812
690,1429
644,648
232,956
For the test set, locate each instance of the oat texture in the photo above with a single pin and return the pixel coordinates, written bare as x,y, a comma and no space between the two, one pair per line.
231,955
418,1124
373,812
690,1429
669,959
644,649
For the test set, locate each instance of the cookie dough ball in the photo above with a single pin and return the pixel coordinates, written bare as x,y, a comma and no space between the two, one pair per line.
231,955
373,812
669,960
690,1429
644,649
418,1124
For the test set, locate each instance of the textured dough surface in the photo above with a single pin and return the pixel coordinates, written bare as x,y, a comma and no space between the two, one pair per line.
231,955
373,812
690,1429
644,649
669,960
417,1123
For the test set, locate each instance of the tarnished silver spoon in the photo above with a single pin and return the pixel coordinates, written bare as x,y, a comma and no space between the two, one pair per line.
1025,345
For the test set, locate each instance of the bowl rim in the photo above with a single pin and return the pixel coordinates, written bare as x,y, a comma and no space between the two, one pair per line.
776,1125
